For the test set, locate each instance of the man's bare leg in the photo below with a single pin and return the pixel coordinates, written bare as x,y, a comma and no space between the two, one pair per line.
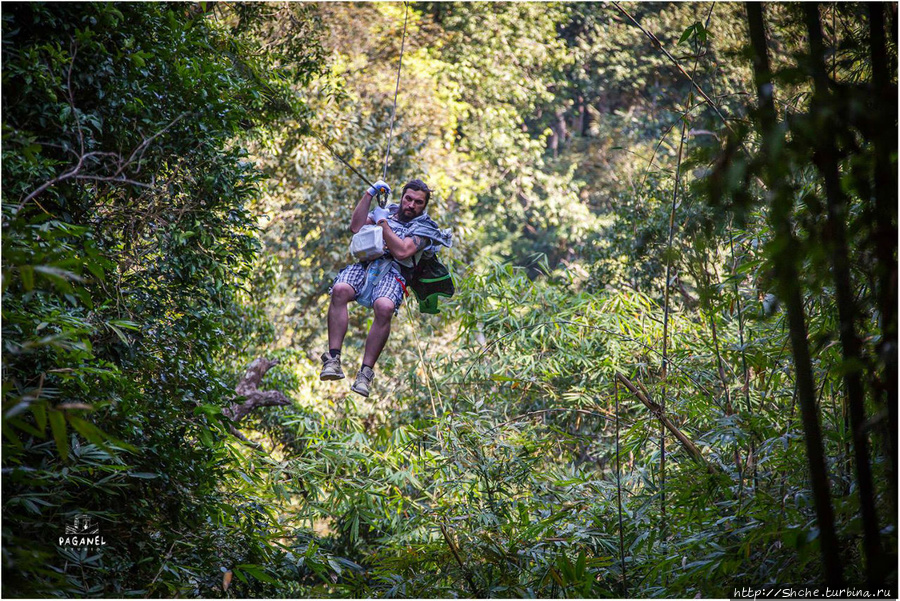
380,330
341,295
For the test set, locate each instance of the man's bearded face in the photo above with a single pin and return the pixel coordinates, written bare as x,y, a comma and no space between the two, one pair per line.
411,205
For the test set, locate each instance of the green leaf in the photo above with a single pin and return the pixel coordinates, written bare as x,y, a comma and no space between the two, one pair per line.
11,435
119,333
211,411
499,378
257,573
27,273
24,426
91,432
206,437
97,270
568,570
39,410
579,565
31,150
702,33
58,427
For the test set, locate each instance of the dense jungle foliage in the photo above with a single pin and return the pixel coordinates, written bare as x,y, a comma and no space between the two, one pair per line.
670,368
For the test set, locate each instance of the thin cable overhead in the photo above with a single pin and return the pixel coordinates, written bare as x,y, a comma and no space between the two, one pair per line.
387,153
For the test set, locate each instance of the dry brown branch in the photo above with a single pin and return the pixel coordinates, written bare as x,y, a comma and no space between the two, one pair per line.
248,388
657,411
117,180
465,572
240,436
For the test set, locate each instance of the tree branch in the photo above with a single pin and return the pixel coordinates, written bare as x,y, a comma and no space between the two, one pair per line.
657,411
678,66
117,177
118,180
142,147
465,572
255,398
71,97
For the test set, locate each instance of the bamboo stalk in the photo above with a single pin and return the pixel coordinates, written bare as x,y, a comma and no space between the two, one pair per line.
746,372
665,341
885,144
827,163
619,496
720,367
678,66
787,278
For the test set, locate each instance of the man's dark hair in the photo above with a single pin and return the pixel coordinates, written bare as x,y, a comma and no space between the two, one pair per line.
417,185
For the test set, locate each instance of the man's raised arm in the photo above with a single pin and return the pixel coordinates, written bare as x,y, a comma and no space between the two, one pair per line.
361,212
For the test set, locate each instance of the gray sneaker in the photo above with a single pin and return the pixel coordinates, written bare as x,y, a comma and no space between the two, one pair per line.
363,380
331,370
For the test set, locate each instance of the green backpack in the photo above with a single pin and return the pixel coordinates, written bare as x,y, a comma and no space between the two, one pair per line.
429,279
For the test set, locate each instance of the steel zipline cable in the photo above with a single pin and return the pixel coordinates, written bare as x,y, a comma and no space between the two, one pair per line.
387,153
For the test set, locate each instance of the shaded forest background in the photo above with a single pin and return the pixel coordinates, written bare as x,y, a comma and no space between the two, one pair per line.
669,368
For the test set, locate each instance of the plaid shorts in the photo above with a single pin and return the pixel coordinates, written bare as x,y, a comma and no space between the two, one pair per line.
388,287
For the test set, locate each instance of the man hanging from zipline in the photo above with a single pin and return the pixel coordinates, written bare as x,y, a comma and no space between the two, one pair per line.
411,238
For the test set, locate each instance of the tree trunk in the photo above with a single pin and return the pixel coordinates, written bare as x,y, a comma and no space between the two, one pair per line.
559,132
619,498
581,118
885,142
561,125
826,160
787,277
